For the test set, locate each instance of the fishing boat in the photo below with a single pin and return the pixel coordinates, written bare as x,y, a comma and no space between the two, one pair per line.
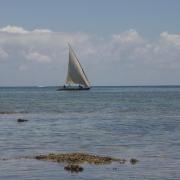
76,77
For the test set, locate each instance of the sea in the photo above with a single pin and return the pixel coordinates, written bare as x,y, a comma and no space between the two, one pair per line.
122,122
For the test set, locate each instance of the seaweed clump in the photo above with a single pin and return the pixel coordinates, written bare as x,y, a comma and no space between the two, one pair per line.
78,158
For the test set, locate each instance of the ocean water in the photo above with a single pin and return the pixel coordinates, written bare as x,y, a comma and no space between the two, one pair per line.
123,122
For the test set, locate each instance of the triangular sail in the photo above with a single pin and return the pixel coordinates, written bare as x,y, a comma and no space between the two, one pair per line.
76,74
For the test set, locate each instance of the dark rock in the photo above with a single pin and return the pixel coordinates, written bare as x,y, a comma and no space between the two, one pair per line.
133,161
4,159
122,161
7,112
40,157
74,168
22,120
78,158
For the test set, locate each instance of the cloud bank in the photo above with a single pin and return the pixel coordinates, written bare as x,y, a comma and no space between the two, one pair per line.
105,58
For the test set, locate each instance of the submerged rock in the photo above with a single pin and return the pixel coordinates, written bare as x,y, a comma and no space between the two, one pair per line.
122,161
22,120
7,112
74,168
133,161
79,158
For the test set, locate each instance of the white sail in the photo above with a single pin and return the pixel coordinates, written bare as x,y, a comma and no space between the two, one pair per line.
76,74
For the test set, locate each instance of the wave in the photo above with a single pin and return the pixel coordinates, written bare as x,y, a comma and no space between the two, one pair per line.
7,112
30,112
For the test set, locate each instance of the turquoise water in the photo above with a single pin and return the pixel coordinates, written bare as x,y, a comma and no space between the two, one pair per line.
124,122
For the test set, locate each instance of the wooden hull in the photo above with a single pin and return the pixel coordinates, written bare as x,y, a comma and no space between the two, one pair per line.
72,88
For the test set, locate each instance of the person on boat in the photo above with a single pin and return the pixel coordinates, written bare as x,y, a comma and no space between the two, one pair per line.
64,86
80,86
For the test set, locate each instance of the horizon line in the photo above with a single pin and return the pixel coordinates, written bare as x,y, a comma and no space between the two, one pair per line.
41,86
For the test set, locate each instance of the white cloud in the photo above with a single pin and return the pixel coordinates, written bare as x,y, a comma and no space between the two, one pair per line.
38,57
13,29
171,38
21,30
128,37
127,48
41,45
41,31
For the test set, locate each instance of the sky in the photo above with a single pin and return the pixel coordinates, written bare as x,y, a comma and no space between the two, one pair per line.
118,42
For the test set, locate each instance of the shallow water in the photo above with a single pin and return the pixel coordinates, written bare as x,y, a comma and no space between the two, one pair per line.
123,122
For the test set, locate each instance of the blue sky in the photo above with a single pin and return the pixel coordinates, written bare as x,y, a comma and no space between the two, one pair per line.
130,42
101,16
